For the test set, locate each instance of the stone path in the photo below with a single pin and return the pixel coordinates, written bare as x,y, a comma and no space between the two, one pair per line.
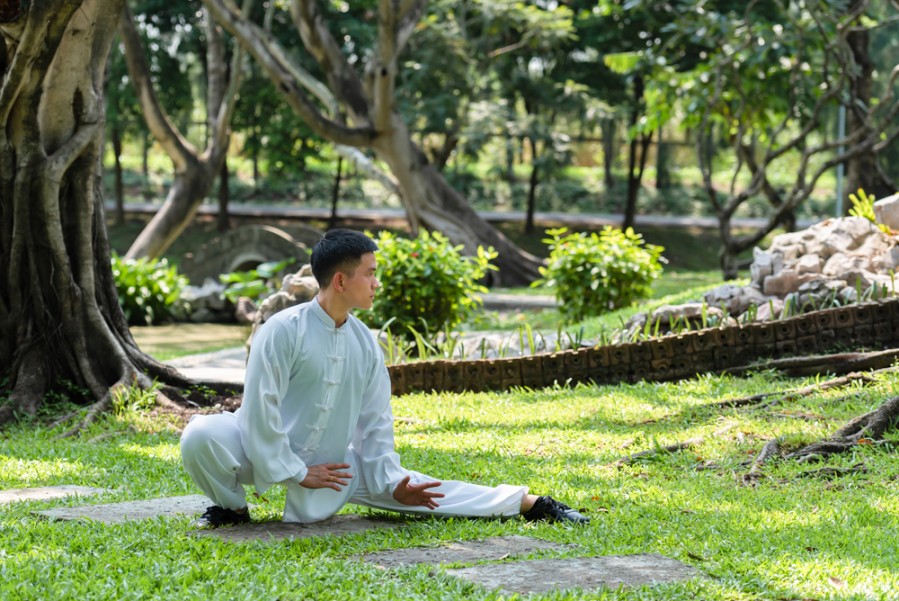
125,511
587,573
339,525
498,558
493,549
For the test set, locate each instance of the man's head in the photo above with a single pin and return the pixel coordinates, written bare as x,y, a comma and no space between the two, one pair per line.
339,250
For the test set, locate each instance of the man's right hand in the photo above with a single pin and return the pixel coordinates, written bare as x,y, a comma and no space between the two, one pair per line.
327,475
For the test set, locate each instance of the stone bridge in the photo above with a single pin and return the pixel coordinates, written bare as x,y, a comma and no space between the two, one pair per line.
246,247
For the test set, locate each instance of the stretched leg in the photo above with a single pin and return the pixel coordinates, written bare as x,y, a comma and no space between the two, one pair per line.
462,499
214,459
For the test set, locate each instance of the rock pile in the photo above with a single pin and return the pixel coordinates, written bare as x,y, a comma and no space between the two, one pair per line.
295,289
833,263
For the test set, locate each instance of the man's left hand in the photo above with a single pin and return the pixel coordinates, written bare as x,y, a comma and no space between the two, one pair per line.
417,494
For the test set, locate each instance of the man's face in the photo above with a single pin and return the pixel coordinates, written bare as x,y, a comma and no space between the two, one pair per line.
360,286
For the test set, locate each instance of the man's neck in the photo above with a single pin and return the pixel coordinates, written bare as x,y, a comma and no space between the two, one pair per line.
333,307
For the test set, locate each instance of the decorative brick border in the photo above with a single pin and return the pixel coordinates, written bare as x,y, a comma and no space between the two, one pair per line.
674,357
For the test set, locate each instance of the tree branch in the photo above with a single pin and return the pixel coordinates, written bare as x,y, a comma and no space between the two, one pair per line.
269,56
343,80
224,106
175,145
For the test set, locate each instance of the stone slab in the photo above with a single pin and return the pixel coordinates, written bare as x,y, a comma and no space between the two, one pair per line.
491,549
339,525
126,511
587,573
13,495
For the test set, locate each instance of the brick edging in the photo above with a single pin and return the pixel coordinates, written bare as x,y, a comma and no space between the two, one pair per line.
674,357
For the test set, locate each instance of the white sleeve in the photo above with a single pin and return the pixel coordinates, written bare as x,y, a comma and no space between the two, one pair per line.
259,417
373,438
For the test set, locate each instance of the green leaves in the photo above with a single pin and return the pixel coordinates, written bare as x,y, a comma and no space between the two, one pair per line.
622,63
427,285
149,290
254,283
599,272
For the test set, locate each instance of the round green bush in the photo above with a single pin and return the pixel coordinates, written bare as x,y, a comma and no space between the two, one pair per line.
149,290
427,285
599,272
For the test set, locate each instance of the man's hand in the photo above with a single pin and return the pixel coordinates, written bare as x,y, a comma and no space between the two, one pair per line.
417,494
327,475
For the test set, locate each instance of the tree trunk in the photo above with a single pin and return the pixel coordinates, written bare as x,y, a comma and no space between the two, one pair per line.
116,136
60,320
335,193
532,189
224,219
145,163
439,207
427,197
863,171
608,152
445,151
195,171
663,159
510,160
637,155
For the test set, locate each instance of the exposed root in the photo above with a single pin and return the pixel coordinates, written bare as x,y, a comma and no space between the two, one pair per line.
835,472
770,450
864,429
7,414
672,448
840,363
92,412
64,418
765,399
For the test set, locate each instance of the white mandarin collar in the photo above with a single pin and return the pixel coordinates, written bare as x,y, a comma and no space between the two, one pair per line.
323,316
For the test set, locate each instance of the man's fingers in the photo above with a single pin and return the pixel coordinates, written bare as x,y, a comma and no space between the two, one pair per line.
335,466
426,485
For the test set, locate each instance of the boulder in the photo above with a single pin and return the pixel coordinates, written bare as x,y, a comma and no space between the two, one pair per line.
886,211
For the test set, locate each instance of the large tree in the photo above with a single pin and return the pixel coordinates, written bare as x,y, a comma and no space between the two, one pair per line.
60,319
769,78
363,88
195,168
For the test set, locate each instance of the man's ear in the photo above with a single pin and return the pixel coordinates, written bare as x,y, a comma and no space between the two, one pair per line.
338,281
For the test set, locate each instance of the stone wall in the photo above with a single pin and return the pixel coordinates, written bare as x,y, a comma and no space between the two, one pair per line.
873,325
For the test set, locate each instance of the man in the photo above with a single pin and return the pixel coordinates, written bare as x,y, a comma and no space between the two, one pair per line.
316,416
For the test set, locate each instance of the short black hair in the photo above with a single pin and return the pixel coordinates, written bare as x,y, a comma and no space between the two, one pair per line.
338,249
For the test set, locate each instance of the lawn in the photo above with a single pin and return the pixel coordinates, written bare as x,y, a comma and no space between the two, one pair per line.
791,535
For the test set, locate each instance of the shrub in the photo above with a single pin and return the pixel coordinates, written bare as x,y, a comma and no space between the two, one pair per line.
427,285
257,283
599,272
149,290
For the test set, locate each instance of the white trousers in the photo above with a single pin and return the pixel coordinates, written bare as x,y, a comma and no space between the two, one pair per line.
214,458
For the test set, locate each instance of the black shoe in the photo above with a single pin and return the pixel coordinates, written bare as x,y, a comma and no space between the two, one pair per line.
548,509
216,516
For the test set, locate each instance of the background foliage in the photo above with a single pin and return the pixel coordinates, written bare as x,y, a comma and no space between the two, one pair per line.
427,284
595,273
149,290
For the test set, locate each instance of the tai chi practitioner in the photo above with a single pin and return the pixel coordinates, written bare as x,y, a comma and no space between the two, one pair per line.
316,416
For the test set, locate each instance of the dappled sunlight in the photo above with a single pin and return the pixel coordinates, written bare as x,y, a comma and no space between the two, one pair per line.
824,575
163,451
18,473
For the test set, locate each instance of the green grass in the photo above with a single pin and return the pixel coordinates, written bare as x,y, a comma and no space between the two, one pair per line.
787,537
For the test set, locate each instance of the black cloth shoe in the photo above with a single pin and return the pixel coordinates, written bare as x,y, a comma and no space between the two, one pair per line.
548,509
216,516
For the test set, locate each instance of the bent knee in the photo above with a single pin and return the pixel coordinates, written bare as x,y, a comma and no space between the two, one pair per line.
200,432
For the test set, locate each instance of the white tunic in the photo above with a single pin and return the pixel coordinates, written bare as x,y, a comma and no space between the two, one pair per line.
315,393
